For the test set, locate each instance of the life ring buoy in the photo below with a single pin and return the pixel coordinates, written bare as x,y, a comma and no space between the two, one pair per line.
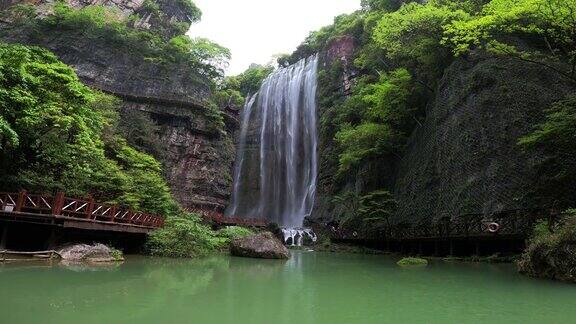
493,227
354,234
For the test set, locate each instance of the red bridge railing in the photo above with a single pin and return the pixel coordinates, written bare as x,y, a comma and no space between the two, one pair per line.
219,218
81,208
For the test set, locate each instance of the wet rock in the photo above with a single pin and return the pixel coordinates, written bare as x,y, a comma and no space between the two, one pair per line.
262,245
90,253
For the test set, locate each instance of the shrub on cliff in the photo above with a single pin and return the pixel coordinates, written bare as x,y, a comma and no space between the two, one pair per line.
552,253
233,90
376,118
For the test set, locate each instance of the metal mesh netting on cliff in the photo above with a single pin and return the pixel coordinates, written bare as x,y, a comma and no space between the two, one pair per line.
465,158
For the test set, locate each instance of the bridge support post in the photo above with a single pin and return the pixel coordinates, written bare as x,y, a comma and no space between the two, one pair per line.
90,207
20,201
4,237
51,242
451,248
58,203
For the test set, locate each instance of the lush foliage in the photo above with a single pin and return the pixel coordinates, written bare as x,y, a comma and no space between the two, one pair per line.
375,119
232,232
371,212
550,23
184,236
550,252
58,134
141,132
411,37
193,12
204,54
200,59
233,90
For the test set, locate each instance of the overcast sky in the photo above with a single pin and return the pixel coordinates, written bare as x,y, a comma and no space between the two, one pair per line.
255,30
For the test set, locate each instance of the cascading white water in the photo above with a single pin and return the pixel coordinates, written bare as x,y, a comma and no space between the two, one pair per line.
276,165
295,236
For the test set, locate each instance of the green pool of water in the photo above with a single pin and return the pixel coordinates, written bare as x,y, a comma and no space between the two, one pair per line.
309,288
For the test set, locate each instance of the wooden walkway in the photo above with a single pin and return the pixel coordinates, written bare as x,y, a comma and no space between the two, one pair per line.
220,219
79,213
511,224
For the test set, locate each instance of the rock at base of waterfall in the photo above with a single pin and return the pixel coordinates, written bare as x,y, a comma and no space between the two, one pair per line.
262,245
89,253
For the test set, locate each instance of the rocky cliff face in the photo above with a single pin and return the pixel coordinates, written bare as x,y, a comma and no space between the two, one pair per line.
197,157
197,164
464,158
169,17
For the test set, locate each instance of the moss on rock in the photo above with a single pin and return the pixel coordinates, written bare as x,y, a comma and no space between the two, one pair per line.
407,262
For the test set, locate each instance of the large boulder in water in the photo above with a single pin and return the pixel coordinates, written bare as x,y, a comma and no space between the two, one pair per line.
91,253
262,245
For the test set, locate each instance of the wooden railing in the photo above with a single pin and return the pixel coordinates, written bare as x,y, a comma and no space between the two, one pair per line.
510,223
80,208
219,218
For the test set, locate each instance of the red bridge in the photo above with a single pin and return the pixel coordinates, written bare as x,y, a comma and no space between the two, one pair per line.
79,213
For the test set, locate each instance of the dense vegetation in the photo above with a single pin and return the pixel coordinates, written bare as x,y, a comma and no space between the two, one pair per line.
233,91
550,253
58,134
402,50
202,60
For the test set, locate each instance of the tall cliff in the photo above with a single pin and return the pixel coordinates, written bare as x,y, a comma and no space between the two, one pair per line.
464,157
196,152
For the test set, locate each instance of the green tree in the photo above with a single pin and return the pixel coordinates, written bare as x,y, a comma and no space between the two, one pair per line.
411,38
552,22
377,208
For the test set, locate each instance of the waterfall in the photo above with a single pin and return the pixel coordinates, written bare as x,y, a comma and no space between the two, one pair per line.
295,236
276,165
